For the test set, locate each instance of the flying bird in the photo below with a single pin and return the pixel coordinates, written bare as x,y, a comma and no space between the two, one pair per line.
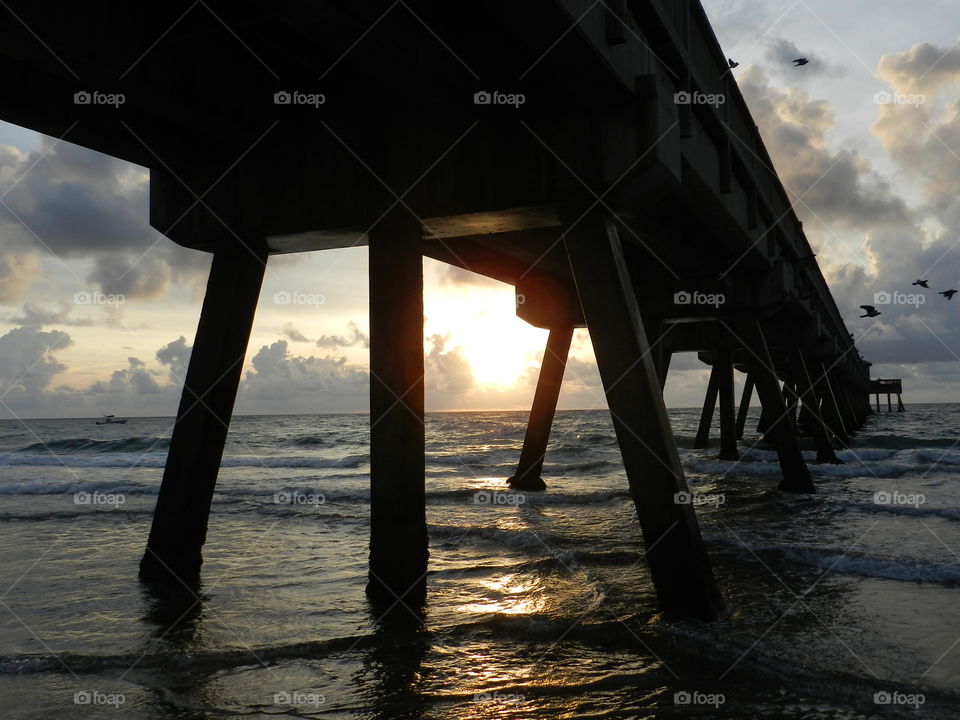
870,311
799,62
948,294
922,283
732,63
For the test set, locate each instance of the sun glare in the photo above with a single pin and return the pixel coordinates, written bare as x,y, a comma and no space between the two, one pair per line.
482,322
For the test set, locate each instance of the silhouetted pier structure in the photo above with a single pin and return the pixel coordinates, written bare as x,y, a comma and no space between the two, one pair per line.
888,387
622,196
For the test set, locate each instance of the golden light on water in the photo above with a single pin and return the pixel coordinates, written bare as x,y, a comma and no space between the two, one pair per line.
510,595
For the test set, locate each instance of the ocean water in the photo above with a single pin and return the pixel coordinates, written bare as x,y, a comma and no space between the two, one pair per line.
842,604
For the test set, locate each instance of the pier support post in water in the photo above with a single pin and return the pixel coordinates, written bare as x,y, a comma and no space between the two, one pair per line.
709,405
174,550
676,555
744,405
398,522
810,412
831,406
527,476
728,435
796,475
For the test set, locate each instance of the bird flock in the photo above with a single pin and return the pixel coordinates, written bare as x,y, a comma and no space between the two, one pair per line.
799,62
871,312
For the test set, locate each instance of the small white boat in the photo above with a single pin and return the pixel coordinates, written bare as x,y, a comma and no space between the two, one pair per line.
111,420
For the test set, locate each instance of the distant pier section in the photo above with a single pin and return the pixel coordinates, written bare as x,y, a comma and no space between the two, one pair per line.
888,387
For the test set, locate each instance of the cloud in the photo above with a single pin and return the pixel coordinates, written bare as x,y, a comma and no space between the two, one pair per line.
17,273
354,337
176,355
281,382
135,379
28,364
922,68
448,372
868,238
38,316
293,334
75,203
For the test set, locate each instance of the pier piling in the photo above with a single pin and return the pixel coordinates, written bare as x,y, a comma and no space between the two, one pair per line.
179,530
675,552
398,524
527,476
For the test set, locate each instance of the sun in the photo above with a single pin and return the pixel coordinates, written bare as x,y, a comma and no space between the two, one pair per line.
481,321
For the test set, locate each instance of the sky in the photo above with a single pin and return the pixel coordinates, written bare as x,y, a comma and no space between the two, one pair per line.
98,311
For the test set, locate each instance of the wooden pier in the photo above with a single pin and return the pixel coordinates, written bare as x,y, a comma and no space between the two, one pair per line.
888,387
629,193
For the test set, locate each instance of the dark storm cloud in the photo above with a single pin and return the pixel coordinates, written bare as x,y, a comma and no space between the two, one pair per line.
73,203
176,355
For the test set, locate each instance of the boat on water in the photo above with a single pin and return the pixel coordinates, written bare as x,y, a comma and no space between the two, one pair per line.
112,420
